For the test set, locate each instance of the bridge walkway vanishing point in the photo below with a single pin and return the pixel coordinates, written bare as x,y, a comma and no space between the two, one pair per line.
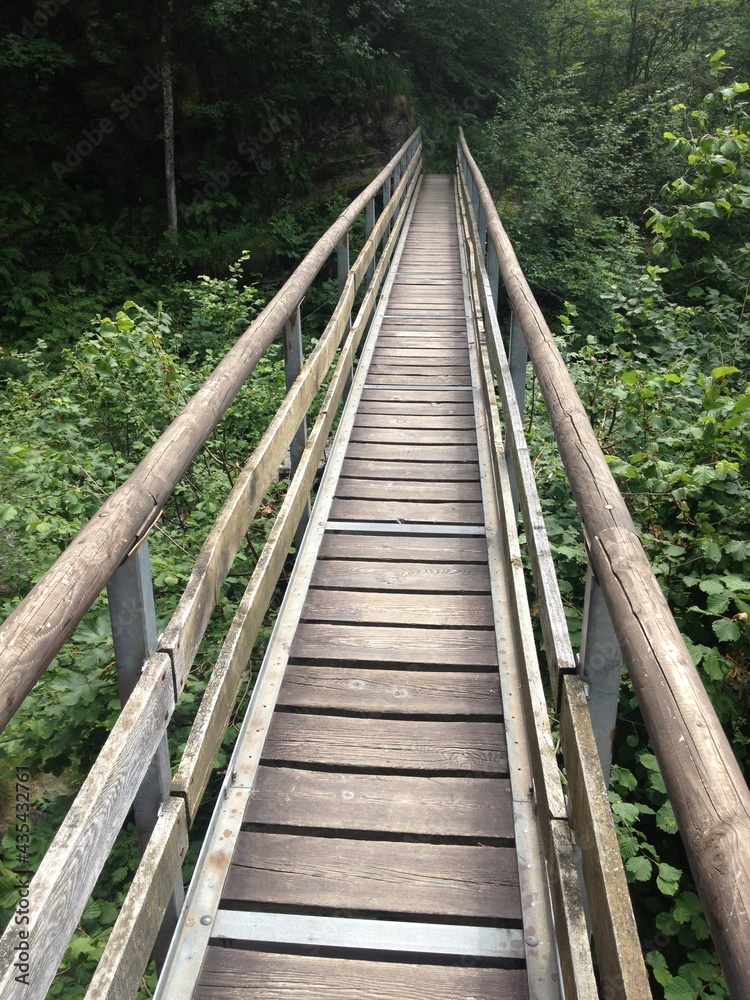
393,822
380,840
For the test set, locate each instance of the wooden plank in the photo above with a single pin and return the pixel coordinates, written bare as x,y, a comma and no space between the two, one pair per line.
413,435
403,549
425,471
413,453
132,940
394,375
408,419
387,744
424,355
428,807
375,394
407,513
374,643
61,888
230,974
440,578
432,407
615,933
386,364
468,610
374,876
411,692
405,489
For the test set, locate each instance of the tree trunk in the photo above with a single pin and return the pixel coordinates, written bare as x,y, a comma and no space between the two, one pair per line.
169,167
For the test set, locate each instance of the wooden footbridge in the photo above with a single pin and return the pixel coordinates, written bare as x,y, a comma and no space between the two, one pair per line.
394,821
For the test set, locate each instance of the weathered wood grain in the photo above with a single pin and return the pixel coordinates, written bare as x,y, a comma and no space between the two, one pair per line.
411,692
387,744
69,871
413,452
615,933
413,435
399,548
408,576
405,489
129,947
374,876
447,807
238,975
438,471
434,377
404,512
457,610
381,644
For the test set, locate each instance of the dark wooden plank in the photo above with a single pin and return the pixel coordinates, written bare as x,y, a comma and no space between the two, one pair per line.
420,396
423,345
386,361
416,471
423,421
431,407
403,512
374,876
376,803
413,453
439,578
375,643
397,745
232,974
405,489
424,355
400,548
473,610
413,435
412,692
397,375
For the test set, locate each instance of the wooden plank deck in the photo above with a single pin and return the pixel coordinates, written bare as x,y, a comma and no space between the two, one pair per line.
382,792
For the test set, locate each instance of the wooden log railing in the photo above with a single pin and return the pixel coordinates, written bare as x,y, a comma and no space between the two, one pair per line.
115,538
585,812
707,790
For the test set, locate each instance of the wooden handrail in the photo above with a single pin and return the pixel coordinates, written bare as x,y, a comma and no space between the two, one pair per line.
707,790
61,886
41,624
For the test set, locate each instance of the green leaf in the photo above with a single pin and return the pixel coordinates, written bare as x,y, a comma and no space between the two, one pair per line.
665,819
668,879
726,630
679,989
717,604
639,868
718,373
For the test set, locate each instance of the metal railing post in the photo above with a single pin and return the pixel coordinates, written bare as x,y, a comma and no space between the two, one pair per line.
293,361
493,273
518,357
387,193
130,594
600,666
344,263
369,226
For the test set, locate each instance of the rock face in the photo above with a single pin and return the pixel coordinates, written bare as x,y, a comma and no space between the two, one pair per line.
350,147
